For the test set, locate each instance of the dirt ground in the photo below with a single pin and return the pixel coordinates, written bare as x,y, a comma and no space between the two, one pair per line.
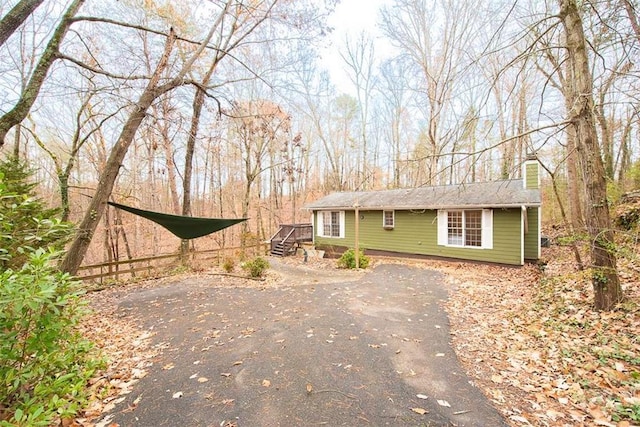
311,345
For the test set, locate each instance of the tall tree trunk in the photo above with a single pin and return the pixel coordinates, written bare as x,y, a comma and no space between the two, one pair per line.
63,179
575,187
606,284
170,164
125,240
87,227
28,96
633,17
625,152
198,102
16,142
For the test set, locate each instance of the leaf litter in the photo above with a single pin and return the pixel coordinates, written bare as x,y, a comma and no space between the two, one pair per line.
128,353
533,343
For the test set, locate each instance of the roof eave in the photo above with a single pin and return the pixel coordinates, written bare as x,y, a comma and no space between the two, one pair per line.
428,207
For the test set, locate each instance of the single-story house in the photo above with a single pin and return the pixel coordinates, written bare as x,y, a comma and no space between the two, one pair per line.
495,222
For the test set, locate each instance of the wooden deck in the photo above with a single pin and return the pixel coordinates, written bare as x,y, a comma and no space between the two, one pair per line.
289,237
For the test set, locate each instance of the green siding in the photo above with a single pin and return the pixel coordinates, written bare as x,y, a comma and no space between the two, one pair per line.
532,170
532,238
417,233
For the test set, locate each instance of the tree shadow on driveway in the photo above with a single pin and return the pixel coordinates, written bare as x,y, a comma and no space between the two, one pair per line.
373,351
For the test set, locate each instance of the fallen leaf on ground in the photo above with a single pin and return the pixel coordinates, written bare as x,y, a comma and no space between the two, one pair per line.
496,379
420,411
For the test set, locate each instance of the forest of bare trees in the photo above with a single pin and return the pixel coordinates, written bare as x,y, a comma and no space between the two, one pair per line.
225,108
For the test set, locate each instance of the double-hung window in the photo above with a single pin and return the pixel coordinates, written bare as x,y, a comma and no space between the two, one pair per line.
331,223
388,219
466,228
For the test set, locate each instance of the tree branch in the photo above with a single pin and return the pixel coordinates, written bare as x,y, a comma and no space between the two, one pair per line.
19,112
15,17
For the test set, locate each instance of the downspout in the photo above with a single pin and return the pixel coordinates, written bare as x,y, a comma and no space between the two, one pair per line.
357,235
525,229
313,228
539,231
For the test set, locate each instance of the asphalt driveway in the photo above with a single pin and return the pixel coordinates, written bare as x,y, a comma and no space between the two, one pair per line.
322,350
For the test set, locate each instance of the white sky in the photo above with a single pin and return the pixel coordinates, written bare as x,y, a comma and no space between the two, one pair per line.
351,17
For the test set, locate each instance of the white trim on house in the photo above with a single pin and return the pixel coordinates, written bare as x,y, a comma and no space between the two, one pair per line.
320,219
442,228
486,234
384,219
314,228
341,224
487,229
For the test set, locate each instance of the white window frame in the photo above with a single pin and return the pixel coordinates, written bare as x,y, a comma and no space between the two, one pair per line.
341,227
486,233
384,219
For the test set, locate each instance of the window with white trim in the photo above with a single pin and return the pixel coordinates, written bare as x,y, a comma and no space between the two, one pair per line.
388,219
466,228
331,223
472,228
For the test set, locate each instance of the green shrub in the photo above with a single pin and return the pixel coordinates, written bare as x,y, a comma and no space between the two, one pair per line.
44,362
26,224
256,267
228,265
348,259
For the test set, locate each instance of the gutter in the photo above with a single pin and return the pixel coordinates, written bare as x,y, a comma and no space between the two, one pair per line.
438,207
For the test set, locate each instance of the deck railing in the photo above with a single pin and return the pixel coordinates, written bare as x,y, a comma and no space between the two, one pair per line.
301,232
290,234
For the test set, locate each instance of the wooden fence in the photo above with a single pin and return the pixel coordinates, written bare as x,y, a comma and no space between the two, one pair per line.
154,266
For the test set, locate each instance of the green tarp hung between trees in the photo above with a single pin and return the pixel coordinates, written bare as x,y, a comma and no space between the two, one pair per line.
185,227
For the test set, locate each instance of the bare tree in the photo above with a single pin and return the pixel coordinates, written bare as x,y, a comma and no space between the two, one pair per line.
395,98
359,57
232,25
632,14
87,121
606,284
258,126
558,74
198,103
15,17
436,37
28,96
319,107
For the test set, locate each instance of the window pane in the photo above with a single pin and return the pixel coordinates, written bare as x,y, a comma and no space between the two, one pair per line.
454,228
473,228
335,224
388,218
326,223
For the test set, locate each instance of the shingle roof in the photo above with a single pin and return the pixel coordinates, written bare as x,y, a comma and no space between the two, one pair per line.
497,194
